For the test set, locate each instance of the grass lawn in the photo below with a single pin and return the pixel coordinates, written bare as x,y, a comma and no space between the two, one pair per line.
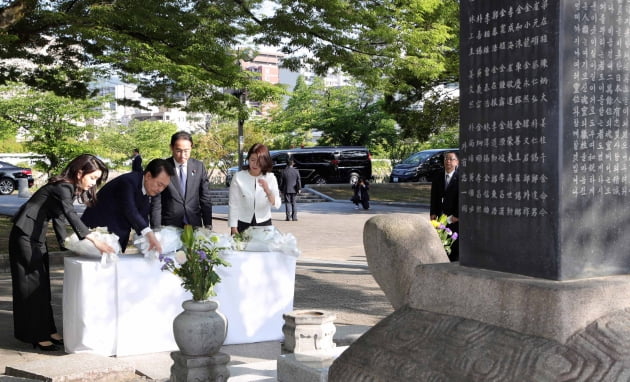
381,192
5,229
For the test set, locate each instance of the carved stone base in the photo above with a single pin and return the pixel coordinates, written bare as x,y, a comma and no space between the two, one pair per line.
469,324
308,330
416,345
199,369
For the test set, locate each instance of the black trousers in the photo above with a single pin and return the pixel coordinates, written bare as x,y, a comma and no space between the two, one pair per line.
242,226
454,256
32,310
289,205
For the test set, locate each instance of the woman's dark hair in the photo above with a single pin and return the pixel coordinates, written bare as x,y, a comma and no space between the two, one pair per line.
264,158
86,164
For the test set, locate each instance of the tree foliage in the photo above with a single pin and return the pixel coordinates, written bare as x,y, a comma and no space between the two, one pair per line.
402,48
54,126
152,138
217,147
185,49
170,48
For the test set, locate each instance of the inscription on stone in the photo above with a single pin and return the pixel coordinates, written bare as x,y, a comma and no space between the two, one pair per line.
544,136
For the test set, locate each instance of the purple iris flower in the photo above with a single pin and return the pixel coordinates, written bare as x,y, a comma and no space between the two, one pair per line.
202,255
442,226
448,231
455,236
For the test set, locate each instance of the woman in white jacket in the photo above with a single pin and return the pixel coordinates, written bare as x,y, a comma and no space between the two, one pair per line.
253,192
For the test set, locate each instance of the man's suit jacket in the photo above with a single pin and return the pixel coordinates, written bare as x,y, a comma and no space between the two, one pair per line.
445,200
136,163
290,182
120,206
169,207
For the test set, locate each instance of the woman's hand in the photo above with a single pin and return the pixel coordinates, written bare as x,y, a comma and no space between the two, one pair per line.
102,246
264,185
233,231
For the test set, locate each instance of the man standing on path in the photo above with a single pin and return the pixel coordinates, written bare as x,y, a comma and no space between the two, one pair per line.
187,198
445,197
136,161
290,186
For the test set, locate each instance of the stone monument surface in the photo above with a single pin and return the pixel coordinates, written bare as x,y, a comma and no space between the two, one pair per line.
540,293
545,108
394,245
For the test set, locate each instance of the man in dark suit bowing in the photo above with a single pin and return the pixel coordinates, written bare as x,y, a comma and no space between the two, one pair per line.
187,198
124,203
445,197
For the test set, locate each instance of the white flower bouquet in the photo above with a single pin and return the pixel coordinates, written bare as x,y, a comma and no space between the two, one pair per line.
86,247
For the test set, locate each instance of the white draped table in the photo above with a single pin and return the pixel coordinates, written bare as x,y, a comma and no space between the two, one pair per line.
128,307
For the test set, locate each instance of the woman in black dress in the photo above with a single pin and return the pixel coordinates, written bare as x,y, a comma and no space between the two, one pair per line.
28,253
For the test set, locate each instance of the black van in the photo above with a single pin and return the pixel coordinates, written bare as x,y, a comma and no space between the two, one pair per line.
323,164
326,164
420,166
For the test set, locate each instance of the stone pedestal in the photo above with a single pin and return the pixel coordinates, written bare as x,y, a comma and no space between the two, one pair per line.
306,367
23,191
472,324
308,330
196,369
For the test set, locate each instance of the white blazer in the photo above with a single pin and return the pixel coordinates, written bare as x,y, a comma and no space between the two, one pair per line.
248,197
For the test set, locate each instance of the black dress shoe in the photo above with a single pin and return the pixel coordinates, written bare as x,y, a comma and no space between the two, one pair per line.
56,342
295,219
287,219
51,347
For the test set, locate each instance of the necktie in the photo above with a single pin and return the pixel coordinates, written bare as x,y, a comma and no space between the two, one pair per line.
448,178
182,179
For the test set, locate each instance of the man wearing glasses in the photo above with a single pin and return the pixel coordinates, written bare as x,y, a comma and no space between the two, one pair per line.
187,198
445,197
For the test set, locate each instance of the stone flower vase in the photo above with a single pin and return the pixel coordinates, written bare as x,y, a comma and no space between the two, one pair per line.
200,329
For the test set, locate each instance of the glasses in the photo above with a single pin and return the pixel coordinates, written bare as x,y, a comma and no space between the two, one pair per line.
450,159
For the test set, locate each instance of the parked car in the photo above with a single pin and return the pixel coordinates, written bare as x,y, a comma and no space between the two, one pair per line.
420,166
322,164
9,175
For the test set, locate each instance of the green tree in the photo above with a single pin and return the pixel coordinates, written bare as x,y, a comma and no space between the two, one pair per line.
170,48
402,48
291,125
353,115
176,49
348,115
54,126
217,148
152,138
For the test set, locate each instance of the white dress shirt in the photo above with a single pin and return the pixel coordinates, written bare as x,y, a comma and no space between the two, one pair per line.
247,197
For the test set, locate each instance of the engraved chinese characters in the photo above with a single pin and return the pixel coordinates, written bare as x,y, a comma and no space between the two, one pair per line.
544,142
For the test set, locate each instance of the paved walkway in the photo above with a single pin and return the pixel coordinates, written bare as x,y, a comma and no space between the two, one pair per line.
332,274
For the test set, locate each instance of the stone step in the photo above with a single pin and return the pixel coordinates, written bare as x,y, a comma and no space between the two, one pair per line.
221,197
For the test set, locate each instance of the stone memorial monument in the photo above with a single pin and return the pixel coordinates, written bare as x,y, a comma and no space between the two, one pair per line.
542,291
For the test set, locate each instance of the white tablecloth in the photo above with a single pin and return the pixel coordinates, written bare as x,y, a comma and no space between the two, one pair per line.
254,293
128,307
